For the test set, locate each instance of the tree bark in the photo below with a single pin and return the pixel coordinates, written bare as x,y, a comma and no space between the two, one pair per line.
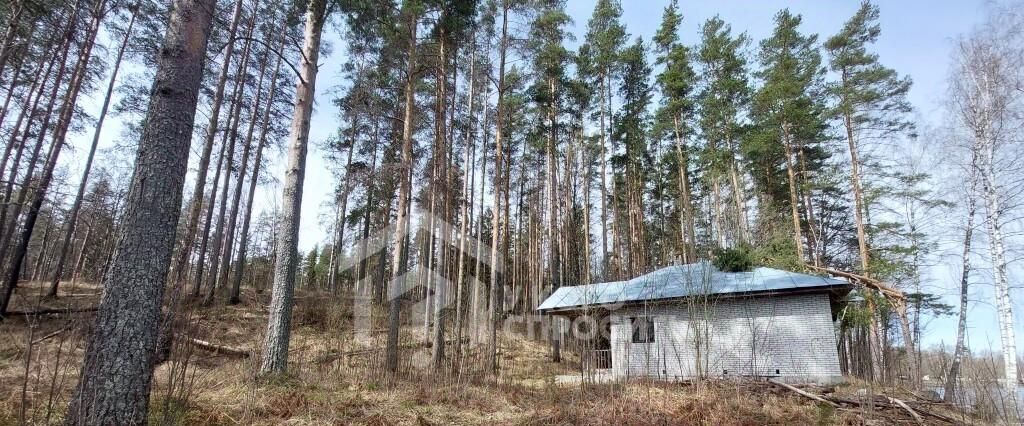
794,203
397,284
497,260
115,378
440,287
961,329
185,251
686,226
477,282
207,223
1004,308
467,199
554,265
275,355
874,338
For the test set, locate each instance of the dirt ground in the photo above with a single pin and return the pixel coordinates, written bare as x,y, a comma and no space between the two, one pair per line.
335,378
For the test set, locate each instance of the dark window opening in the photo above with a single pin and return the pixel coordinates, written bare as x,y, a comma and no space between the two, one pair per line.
643,329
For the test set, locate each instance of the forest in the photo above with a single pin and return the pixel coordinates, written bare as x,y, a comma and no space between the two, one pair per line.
479,155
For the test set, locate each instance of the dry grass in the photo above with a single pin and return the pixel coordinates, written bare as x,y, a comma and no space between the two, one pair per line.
348,390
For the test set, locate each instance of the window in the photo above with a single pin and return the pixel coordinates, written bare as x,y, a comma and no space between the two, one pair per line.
643,329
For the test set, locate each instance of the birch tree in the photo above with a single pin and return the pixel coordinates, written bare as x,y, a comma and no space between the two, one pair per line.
988,75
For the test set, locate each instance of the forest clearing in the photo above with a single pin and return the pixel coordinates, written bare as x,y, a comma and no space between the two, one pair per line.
326,387
511,212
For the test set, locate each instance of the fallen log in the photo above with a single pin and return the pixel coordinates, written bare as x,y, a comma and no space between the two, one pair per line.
218,349
803,393
49,311
903,405
867,281
891,405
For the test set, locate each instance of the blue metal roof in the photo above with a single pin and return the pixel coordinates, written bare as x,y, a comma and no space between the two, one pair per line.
685,280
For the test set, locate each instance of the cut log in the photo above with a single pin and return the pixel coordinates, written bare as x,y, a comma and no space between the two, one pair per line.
218,349
803,393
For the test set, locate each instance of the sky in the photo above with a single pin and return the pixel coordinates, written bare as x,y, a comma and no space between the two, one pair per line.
916,40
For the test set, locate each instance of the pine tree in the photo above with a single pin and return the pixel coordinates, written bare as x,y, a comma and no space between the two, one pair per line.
722,101
677,84
789,119
634,161
275,355
871,104
114,384
605,37
550,58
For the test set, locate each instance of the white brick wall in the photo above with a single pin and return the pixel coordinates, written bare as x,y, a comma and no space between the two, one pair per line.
787,336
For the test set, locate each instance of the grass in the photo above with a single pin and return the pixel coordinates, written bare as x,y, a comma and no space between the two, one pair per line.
218,390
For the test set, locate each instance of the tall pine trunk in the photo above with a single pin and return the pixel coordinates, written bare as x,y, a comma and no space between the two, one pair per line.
236,281
275,352
83,185
220,238
497,263
794,203
192,223
397,283
60,132
114,384
236,199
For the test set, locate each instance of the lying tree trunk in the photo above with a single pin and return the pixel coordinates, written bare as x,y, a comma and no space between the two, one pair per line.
803,393
218,349
914,414
48,311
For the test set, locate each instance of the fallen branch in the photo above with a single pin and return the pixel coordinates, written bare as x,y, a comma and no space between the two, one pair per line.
51,335
49,312
218,349
803,393
892,405
903,405
867,281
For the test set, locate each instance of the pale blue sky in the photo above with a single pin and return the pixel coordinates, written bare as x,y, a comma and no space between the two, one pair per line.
916,40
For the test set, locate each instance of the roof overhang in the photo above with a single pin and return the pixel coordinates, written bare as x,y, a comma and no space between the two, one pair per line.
834,291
